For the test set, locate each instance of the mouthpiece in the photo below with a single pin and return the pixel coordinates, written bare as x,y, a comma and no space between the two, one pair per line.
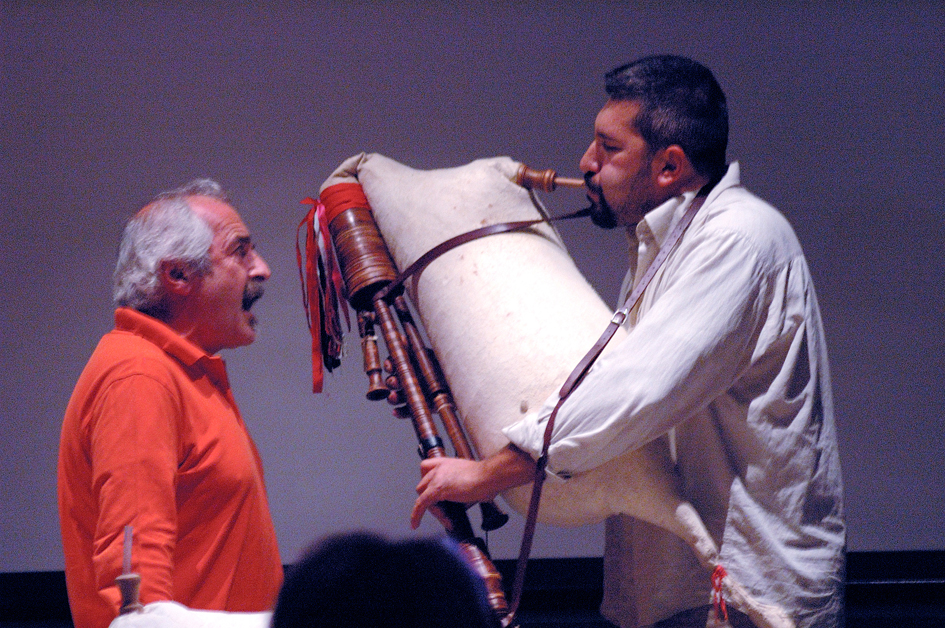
545,180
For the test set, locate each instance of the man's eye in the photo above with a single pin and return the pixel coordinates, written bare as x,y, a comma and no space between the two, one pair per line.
242,250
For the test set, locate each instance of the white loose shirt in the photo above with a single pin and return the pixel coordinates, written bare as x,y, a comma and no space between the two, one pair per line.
726,359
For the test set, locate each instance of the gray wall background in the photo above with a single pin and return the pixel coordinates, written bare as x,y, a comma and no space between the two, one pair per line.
837,118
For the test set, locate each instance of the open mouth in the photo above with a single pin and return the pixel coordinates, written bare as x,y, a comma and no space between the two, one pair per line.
251,294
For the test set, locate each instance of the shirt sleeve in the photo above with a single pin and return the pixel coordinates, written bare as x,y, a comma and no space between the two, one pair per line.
134,452
684,351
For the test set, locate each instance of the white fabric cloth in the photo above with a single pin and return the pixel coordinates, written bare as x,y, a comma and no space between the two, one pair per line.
174,615
725,358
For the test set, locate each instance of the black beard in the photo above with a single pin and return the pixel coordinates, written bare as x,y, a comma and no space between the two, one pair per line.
602,216
601,213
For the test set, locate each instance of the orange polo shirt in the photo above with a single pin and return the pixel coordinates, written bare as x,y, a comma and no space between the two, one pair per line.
152,438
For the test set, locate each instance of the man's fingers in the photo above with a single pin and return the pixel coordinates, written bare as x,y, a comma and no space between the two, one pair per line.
426,502
429,492
437,512
443,479
419,507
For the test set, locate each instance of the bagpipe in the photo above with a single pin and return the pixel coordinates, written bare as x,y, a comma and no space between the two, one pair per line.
507,315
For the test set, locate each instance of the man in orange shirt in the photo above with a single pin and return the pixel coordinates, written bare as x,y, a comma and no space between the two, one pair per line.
152,437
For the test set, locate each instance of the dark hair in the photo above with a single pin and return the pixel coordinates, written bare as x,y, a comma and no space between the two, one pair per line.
680,103
363,580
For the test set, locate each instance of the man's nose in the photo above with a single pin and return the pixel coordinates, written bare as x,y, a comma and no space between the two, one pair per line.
589,162
259,269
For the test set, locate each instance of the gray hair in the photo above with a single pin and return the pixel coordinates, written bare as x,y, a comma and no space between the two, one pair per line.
168,230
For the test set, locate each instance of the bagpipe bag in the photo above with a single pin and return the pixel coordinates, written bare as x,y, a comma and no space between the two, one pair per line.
508,316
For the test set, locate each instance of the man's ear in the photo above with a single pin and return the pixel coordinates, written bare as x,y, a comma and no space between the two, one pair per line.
176,277
672,166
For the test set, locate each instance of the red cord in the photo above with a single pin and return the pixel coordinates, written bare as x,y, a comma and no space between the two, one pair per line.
718,575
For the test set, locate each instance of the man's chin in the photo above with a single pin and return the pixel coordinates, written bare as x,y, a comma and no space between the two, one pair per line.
247,331
602,216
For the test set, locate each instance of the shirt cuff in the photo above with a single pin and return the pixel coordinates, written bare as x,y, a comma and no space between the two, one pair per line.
528,435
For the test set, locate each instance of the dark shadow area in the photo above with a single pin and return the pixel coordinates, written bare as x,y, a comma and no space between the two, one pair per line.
905,589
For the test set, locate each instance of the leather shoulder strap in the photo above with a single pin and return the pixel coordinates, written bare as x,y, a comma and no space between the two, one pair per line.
575,378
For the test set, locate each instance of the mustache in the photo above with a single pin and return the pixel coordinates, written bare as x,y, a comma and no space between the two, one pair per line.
600,212
253,292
